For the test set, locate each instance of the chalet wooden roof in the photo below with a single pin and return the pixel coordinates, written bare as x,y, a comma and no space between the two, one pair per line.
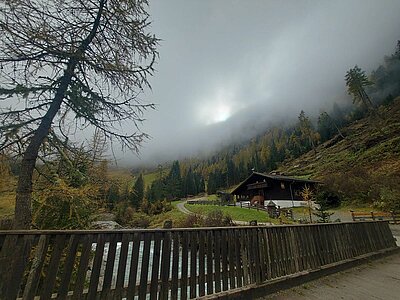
273,177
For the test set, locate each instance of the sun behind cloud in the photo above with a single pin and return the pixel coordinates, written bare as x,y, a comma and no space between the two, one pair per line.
218,108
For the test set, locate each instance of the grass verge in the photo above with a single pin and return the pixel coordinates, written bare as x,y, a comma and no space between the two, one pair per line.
236,213
7,203
174,214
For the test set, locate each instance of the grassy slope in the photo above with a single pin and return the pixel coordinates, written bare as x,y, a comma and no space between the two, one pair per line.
120,175
236,213
175,215
149,178
370,143
7,203
125,176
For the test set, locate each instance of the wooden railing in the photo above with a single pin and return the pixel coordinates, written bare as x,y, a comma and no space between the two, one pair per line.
172,263
255,206
391,217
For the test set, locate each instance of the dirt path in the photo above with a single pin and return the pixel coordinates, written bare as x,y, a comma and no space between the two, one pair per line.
182,208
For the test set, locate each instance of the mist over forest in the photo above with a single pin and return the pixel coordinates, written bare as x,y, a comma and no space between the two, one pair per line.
227,73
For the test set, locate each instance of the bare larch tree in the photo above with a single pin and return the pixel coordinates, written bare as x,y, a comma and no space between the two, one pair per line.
71,64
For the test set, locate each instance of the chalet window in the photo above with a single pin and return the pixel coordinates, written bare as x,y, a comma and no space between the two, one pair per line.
282,185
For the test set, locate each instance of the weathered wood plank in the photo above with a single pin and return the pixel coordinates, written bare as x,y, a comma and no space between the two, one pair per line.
36,268
51,273
284,252
256,255
250,256
323,251
306,250
294,249
238,260
314,255
275,270
133,270
210,251
231,260
217,260
155,266
224,254
109,270
202,266
175,266
123,255
95,272
83,267
271,254
165,266
185,265
267,254
145,266
7,255
68,266
193,264
244,256
19,263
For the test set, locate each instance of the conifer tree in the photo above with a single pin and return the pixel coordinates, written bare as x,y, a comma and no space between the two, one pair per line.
174,181
356,82
83,60
137,193
231,172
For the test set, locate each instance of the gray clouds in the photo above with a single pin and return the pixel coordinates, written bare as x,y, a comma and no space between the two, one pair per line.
227,65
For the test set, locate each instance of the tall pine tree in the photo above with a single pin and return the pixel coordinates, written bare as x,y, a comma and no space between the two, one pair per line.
137,192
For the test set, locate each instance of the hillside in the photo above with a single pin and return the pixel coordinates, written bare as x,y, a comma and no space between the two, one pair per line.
363,164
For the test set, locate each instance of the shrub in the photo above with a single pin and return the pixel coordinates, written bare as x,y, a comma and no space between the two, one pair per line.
217,218
124,214
63,207
389,199
140,220
128,217
328,198
214,218
190,221
159,207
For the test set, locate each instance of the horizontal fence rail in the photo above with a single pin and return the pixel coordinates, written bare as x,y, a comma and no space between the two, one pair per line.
172,263
205,202
391,217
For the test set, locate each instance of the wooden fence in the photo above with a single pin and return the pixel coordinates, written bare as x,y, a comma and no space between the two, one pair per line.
391,217
172,263
205,202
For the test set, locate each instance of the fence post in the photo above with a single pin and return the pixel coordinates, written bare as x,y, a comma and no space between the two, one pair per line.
393,217
352,215
167,224
372,215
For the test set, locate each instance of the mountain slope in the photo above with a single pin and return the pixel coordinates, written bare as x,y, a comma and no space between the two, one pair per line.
364,165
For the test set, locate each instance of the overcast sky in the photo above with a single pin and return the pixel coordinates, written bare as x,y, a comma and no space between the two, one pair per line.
229,67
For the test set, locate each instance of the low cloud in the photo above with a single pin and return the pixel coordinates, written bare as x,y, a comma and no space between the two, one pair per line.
229,68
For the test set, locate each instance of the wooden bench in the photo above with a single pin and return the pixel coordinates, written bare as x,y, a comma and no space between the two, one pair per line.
392,217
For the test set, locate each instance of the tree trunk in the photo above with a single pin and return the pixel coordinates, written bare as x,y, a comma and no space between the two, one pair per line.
23,201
